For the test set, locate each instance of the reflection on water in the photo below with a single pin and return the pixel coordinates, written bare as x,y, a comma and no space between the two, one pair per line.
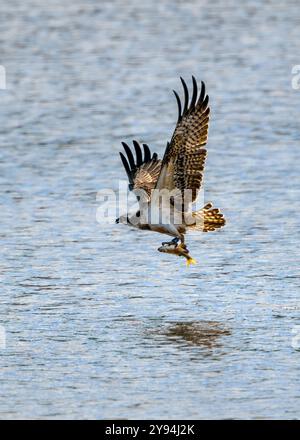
203,333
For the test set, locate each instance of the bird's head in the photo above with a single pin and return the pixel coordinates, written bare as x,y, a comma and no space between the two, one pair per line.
123,219
133,220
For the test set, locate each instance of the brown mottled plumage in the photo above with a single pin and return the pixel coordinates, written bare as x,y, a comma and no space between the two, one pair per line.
208,219
144,171
146,176
183,162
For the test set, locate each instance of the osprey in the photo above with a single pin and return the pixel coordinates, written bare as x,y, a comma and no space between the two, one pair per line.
166,189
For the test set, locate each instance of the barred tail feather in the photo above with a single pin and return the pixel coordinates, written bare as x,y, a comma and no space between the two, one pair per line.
208,219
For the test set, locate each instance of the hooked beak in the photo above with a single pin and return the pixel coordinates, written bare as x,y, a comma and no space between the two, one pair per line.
162,249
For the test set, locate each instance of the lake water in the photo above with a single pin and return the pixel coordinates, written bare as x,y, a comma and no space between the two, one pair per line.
97,323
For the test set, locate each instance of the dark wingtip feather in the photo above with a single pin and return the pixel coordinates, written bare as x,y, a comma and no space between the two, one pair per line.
126,166
202,93
129,155
178,104
205,102
138,152
147,153
195,93
186,95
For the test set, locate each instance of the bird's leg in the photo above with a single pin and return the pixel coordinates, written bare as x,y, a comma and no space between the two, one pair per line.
184,249
182,244
170,243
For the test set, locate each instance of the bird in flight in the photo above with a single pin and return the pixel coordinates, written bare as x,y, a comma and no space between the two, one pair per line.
167,188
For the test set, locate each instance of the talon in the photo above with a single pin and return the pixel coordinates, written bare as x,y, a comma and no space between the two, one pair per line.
168,243
171,243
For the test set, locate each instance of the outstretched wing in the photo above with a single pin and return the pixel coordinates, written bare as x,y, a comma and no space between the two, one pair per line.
184,158
143,171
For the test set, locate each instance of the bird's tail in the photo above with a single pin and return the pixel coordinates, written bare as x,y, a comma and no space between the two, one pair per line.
207,219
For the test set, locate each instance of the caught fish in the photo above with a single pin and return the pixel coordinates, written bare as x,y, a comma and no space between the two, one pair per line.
181,250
